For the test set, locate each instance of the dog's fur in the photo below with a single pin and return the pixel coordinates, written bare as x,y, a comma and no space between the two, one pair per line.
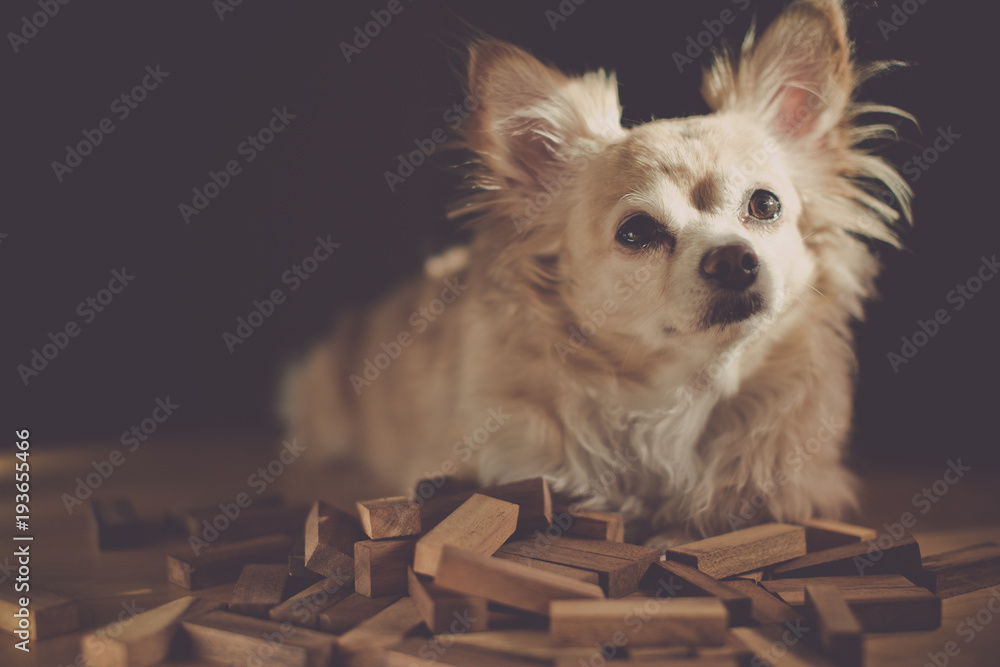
622,374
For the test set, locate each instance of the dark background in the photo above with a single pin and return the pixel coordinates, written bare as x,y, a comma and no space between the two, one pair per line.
162,336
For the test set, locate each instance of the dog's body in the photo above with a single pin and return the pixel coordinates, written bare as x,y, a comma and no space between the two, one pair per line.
656,319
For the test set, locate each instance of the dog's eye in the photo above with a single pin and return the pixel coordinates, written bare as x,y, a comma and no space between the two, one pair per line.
764,206
639,231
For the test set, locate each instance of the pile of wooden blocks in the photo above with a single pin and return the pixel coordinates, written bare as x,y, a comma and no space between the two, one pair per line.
496,577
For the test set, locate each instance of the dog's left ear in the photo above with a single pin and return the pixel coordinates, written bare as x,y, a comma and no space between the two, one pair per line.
798,77
532,119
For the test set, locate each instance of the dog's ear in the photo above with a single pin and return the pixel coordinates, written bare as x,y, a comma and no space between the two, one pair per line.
532,119
798,77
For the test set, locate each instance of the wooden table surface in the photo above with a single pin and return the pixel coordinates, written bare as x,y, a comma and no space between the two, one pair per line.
210,467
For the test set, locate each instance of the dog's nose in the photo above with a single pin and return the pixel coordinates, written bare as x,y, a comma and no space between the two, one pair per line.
732,266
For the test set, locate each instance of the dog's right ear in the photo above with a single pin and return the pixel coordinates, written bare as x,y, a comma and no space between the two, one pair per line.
532,119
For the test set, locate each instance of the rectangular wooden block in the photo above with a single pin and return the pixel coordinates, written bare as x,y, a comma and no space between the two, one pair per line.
223,636
49,614
444,610
143,642
765,608
960,571
480,524
380,566
617,576
651,622
303,608
591,524
742,550
118,525
508,583
687,581
772,646
414,652
532,496
826,533
386,628
859,558
329,540
389,517
341,616
643,557
588,576
839,632
881,603
259,588
221,563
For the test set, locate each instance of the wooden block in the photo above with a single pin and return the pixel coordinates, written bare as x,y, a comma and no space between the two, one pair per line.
224,637
960,571
380,566
793,591
617,576
415,652
826,533
330,538
303,608
386,628
222,563
259,588
533,646
145,641
508,583
588,576
669,621
49,615
742,550
444,610
773,644
118,525
532,496
297,562
859,558
687,581
642,556
339,617
839,632
268,517
765,608
589,524
480,524
881,603
389,517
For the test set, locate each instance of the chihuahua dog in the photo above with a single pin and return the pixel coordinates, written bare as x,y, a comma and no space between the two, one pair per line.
655,319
